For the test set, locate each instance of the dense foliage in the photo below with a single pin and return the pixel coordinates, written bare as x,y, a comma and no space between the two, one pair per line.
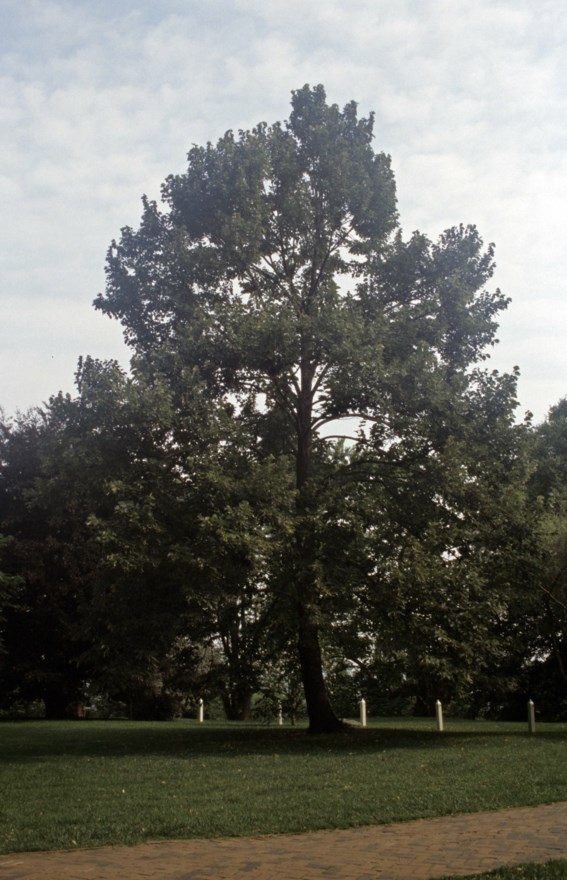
309,474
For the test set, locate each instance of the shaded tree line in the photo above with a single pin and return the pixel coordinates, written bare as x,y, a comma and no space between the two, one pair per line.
309,474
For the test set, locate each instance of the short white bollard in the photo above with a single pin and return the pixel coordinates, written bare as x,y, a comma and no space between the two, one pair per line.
439,715
201,711
280,714
531,716
362,706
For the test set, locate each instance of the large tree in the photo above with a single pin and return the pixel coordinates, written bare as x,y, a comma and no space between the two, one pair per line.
275,287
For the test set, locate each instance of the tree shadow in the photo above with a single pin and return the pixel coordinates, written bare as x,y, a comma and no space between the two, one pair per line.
181,740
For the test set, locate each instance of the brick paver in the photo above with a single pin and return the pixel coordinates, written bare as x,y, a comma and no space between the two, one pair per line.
416,850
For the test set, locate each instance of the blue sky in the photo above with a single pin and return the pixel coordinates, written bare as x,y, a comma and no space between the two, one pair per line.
100,101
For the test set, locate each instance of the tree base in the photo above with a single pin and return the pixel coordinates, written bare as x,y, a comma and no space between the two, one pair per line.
329,725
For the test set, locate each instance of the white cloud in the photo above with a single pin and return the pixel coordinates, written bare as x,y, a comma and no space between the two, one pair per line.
100,101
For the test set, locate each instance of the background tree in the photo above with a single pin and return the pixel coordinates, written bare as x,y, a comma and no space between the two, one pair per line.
41,634
60,470
9,585
543,600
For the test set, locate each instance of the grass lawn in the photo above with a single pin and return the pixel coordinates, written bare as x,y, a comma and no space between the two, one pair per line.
79,784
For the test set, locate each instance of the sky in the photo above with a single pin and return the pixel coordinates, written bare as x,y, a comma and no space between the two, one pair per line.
100,101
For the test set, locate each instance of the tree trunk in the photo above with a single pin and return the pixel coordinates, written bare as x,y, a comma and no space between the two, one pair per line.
237,703
322,719
58,702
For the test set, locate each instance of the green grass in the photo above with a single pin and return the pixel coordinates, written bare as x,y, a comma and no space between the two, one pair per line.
78,784
556,870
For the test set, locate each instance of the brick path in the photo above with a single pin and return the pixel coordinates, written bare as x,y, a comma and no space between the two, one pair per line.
416,850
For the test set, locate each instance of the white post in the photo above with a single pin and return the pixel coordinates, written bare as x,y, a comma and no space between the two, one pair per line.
280,714
362,706
201,711
531,716
439,715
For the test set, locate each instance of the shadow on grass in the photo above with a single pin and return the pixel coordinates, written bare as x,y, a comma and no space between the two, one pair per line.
28,742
